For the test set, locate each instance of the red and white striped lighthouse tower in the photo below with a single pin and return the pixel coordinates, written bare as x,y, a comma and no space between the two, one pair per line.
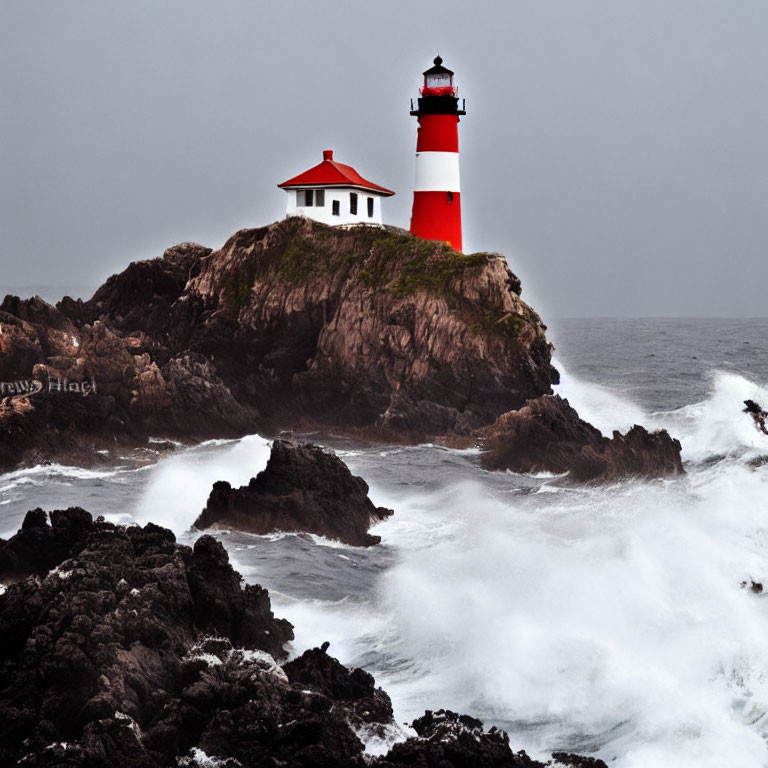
437,193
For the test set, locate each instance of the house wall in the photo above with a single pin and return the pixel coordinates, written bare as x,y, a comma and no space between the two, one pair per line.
324,213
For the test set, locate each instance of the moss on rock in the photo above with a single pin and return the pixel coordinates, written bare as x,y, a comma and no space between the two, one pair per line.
424,265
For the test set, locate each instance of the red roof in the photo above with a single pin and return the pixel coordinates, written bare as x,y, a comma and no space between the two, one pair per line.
329,173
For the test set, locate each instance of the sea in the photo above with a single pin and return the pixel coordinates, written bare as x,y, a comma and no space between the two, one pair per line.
606,620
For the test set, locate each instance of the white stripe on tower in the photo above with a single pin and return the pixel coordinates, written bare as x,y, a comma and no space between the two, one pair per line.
437,172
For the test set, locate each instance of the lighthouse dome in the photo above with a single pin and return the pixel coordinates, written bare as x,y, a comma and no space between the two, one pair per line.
438,68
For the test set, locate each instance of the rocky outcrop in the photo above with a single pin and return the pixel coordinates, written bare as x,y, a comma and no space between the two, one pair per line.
365,328
137,652
303,489
140,299
759,416
39,547
364,331
449,739
547,435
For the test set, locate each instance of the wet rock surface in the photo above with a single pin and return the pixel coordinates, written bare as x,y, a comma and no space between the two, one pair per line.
304,488
39,547
136,651
547,435
449,739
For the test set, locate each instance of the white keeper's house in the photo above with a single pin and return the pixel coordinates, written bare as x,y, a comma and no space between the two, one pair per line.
334,193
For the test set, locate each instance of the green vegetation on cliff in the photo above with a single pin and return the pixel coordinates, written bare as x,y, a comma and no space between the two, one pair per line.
301,261
397,263
422,264
237,286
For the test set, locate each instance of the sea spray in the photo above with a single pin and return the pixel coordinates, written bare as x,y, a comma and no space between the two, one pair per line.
597,405
718,426
604,619
709,429
572,616
178,487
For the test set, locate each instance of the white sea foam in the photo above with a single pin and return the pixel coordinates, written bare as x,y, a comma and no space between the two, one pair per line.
608,620
597,405
179,485
378,740
718,424
199,759
713,427
44,472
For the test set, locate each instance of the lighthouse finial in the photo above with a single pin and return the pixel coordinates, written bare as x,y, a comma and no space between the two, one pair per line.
438,60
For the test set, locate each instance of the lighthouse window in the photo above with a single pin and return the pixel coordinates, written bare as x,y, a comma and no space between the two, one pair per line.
353,203
370,207
450,197
335,208
307,198
319,198
438,81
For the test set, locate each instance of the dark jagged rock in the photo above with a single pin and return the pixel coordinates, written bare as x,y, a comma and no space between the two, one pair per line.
39,547
449,739
95,651
547,435
138,652
303,488
365,331
755,587
567,760
140,298
356,688
758,415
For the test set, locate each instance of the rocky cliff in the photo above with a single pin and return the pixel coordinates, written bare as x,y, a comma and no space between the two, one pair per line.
363,328
363,331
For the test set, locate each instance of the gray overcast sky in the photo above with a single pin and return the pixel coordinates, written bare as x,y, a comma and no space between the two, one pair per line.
616,151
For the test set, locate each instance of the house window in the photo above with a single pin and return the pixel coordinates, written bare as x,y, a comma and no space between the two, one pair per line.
450,197
335,208
307,198
319,198
370,207
353,203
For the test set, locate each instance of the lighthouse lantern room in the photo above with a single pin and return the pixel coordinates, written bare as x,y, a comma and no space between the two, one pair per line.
333,193
436,211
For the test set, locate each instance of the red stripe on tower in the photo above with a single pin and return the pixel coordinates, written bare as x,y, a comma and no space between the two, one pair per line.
437,193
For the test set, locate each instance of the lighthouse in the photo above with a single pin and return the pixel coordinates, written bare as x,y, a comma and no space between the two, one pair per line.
436,211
